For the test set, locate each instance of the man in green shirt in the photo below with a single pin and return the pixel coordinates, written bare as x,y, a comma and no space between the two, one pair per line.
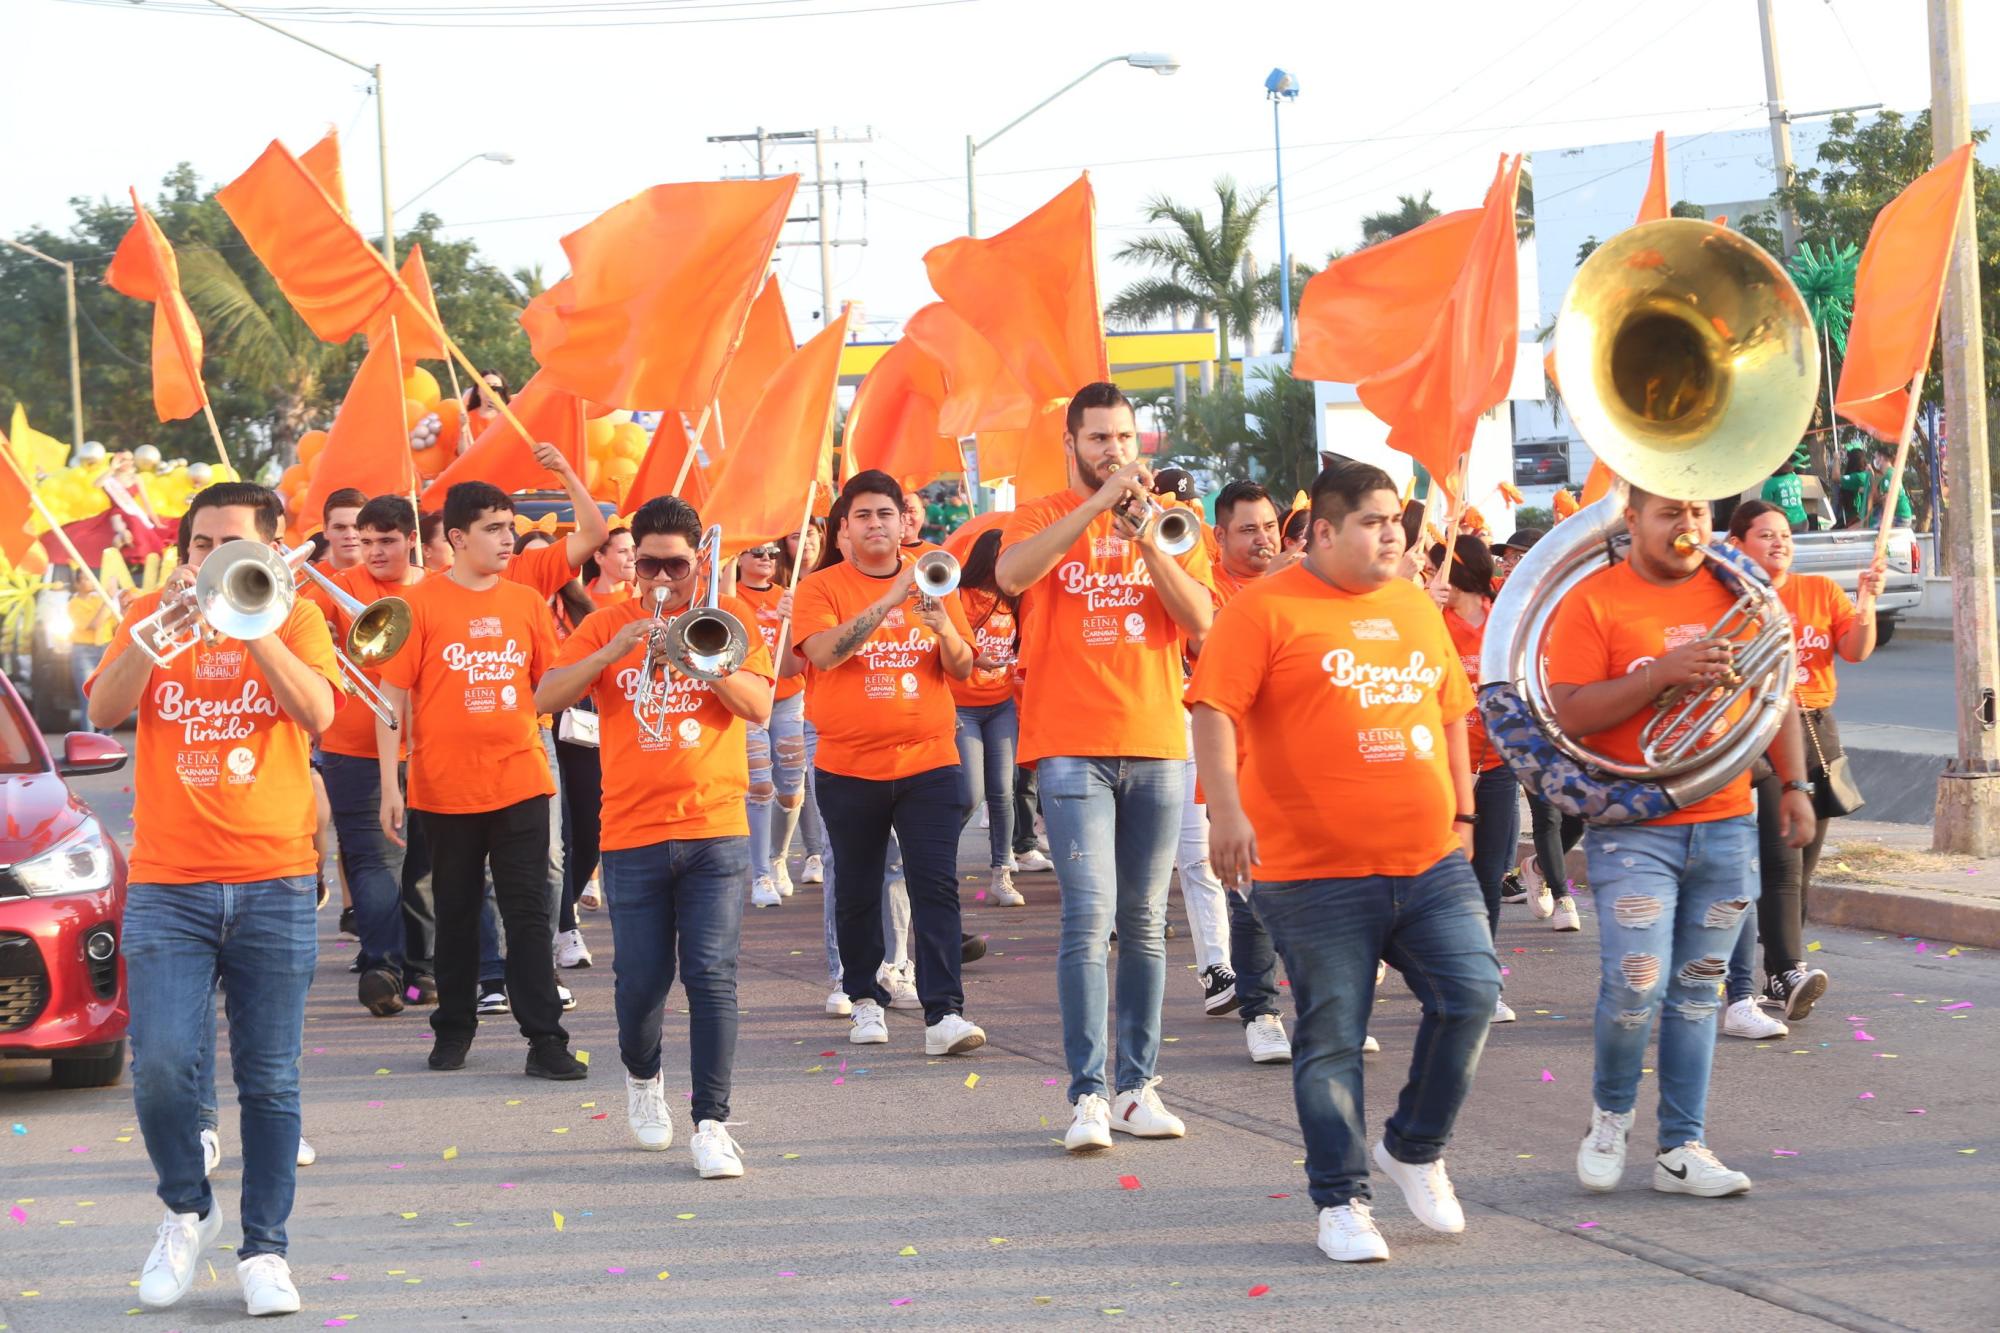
1854,487
942,517
1883,467
1787,492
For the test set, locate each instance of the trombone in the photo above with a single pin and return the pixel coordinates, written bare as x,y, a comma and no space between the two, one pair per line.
376,632
703,642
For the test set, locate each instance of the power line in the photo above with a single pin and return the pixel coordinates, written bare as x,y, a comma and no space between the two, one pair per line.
562,17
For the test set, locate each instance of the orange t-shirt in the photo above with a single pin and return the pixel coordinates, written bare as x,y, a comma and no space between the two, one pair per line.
221,785
470,666
618,596
1340,702
1469,639
543,568
353,729
886,712
1101,655
1821,613
992,632
1224,584
688,785
764,603
1614,623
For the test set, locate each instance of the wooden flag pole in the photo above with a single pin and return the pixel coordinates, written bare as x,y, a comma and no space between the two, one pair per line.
1455,512
76,557
694,442
1895,491
798,571
215,431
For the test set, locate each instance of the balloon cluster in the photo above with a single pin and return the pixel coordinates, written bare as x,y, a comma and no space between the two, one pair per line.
614,446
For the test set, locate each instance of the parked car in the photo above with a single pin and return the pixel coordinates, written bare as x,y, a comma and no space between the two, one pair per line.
62,907
1841,554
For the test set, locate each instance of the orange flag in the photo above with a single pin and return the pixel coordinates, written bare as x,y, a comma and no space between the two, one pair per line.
893,425
1897,291
759,487
17,510
1654,206
1031,292
551,415
662,464
369,445
767,343
416,319
980,394
1361,315
1598,484
332,277
658,291
1434,399
145,270
322,160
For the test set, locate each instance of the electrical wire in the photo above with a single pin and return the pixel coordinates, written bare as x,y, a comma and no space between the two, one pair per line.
560,18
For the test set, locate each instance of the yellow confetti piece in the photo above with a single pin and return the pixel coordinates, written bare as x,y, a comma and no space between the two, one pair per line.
684,1217
1948,953
972,1080
560,1129
583,1057
1814,947
450,1154
996,1240
515,1102
1114,1309
791,1157
409,1217
1968,1151
559,1219
211,1274
816,1069
396,1272
663,1275
1523,1156
31,1293
907,1252
588,1106
412,1281
66,1222
86,1203
124,1138
381,1071
461,1224
1044,1300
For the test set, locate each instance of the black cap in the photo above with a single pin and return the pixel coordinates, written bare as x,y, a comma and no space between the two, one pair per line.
1522,539
1175,481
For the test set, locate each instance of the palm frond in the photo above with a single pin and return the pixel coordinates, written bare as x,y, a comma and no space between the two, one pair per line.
234,320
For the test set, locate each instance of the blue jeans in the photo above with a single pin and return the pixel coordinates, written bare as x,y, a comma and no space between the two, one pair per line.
371,863
1671,901
986,738
895,894
1331,932
682,898
257,939
1253,960
1113,826
1496,838
777,770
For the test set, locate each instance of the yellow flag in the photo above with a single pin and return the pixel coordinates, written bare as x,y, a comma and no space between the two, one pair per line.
37,452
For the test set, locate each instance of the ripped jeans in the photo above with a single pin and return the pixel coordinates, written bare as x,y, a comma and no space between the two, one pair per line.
1671,900
785,781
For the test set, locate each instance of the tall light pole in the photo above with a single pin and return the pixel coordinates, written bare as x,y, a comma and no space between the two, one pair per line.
75,361
1156,61
504,159
1281,88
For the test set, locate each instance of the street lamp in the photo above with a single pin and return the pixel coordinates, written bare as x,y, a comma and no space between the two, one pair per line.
381,115
1282,87
75,362
504,159
1156,61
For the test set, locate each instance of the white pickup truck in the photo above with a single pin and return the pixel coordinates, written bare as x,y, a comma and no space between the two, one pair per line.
1841,555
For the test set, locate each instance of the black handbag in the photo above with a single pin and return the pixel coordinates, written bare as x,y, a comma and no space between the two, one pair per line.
1834,790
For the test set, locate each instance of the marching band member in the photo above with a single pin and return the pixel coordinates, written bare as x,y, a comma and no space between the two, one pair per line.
777,748
887,761
222,874
1339,669
1105,620
1674,892
988,727
479,778
675,838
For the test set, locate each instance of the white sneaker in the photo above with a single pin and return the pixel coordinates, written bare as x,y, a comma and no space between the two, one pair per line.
267,1285
1138,1112
591,899
717,1156
1693,1169
1347,1234
566,996
1002,891
169,1270
1746,1019
783,875
211,1151
307,1154
1033,861
570,949
985,817
902,986
1502,1011
953,1035
1537,885
1600,1162
1426,1188
1566,917
1090,1127
838,1005
869,1027
1370,1046
646,1112
764,892
1265,1036
814,871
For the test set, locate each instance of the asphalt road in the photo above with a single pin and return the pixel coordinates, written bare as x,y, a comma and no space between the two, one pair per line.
1907,683
883,1191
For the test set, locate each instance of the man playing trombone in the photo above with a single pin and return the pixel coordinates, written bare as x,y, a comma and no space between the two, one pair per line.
222,884
675,834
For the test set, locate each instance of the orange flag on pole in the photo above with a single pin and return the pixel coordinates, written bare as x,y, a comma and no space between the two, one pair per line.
369,445
893,424
415,334
1361,315
17,510
332,277
980,394
500,456
145,270
322,160
767,344
662,464
658,291
1897,290
1654,206
759,487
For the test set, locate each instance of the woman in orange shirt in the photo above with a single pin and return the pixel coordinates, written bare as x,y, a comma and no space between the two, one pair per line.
988,728
807,820
1824,622
777,749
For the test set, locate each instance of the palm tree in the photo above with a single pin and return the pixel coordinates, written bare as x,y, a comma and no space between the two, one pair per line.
1303,271
1409,214
1199,267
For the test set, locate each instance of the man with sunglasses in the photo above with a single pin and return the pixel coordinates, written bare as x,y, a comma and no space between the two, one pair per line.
675,839
777,748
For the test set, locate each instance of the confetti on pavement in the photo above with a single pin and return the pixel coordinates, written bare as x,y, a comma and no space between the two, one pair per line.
1128,1182
558,1219
1547,1077
450,1154
1258,1290
972,1080
907,1252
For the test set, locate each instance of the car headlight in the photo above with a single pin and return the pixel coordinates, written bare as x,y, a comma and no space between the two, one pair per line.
80,863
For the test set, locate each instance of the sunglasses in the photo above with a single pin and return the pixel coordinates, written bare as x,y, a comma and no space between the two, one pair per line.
675,567
762,553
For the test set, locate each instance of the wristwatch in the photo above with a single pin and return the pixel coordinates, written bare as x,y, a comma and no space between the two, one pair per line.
1796,785
1465,819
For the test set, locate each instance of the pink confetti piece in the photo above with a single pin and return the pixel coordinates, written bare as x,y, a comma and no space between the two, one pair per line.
1048,1082
319,1050
19,1214
601,1115
1916,1110
1585,1226
1277,1196
1859,1035
1258,1290
614,1271
1865,1097
334,1323
1547,1077
787,1273
1923,947
843,1066
900,1300
1947,1008
838,1081
1856,1018
509,1185
79,1149
375,1106
1128,1182
395,1166
478,1263
1783,1152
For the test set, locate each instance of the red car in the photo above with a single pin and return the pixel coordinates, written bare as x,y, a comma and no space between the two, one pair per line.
62,899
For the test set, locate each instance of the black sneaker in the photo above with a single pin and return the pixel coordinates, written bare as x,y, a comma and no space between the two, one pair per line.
448,1051
567,996
971,948
381,992
426,988
549,1057
347,923
1796,990
355,966
1512,890
1218,986
492,998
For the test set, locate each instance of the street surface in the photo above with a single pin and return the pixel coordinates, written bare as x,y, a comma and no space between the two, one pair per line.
1907,683
888,1190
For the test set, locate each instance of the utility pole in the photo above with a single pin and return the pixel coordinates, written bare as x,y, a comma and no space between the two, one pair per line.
75,360
1966,819
826,241
1781,124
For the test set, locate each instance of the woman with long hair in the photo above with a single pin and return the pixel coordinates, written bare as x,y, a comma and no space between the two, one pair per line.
987,725
777,749
574,813
1824,623
792,556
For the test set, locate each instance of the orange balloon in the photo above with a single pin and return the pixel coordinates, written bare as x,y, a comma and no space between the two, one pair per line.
433,460
621,471
592,469
597,436
421,386
310,444
413,412
294,476
628,441
451,421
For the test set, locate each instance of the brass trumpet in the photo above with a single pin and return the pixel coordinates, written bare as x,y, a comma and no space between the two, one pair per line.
937,574
376,632
703,642
1174,530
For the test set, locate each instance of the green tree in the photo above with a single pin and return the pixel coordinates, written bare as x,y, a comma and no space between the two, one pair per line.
1410,213
1198,267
